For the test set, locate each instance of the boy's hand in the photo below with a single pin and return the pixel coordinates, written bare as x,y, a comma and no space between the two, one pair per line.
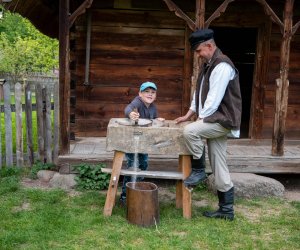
134,115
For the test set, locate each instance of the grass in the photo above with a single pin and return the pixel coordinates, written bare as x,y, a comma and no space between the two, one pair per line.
53,219
13,118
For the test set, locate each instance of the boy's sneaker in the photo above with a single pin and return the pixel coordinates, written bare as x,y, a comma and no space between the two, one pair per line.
122,201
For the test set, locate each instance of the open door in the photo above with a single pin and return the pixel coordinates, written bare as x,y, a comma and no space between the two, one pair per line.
239,44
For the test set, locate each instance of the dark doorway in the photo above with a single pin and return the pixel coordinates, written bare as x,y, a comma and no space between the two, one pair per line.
239,44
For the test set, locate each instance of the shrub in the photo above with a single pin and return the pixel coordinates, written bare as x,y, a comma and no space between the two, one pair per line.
91,177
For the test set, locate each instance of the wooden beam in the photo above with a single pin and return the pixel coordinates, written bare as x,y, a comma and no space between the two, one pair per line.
178,12
218,12
64,76
295,27
271,13
80,10
283,82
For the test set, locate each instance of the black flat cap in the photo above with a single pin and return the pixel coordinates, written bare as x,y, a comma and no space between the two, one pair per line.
200,36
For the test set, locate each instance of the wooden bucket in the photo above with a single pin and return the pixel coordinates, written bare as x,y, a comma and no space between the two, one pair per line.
142,203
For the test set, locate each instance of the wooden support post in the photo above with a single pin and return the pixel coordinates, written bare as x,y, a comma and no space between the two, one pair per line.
64,76
283,83
179,185
197,62
185,165
113,185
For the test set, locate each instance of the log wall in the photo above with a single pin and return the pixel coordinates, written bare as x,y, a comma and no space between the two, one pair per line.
127,48
137,42
293,112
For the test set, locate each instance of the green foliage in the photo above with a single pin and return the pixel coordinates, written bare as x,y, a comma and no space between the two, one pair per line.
90,177
9,179
23,49
40,166
10,171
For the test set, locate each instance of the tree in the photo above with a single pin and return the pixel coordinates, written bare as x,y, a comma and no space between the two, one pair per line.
24,50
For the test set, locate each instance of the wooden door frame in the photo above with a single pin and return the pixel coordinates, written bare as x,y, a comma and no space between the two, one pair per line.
260,78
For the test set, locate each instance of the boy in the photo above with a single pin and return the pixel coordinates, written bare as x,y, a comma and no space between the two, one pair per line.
142,106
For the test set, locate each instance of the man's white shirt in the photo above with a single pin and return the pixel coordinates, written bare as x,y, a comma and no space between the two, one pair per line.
218,81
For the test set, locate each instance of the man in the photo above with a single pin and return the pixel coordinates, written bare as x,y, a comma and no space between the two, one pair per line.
217,103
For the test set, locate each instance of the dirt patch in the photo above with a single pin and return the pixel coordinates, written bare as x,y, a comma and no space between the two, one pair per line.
292,192
35,183
44,185
292,195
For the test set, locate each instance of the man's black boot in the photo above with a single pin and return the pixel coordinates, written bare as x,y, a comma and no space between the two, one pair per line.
198,174
225,211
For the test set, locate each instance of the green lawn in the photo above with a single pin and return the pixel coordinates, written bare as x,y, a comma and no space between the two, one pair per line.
53,219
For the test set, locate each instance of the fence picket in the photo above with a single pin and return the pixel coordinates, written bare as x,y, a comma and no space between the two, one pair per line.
47,133
28,113
8,125
19,129
47,120
40,123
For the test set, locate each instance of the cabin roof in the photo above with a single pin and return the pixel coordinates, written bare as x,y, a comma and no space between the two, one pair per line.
44,14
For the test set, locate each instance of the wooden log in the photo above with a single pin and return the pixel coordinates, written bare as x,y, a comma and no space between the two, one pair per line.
56,123
8,125
64,75
283,83
28,113
142,203
19,130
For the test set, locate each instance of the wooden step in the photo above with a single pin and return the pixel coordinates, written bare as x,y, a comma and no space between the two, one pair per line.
173,175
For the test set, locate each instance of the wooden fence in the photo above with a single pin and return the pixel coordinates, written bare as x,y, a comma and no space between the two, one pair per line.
17,100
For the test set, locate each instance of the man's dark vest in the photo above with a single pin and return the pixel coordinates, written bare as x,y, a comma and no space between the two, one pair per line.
229,111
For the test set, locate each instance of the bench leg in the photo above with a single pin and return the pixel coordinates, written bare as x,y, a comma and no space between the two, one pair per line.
113,185
185,167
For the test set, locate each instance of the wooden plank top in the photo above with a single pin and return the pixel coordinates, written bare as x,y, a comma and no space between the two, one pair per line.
163,139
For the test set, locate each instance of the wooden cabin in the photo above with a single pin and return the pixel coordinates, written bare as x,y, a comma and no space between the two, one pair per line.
108,48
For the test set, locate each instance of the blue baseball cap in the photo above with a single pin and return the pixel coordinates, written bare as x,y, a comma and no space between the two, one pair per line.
147,85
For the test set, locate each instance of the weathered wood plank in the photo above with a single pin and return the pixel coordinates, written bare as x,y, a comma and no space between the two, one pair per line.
40,123
28,114
113,57
149,174
118,94
142,19
113,184
8,125
19,127
47,123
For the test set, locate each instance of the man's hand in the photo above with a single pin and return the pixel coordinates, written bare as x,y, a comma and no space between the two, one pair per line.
181,119
187,117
